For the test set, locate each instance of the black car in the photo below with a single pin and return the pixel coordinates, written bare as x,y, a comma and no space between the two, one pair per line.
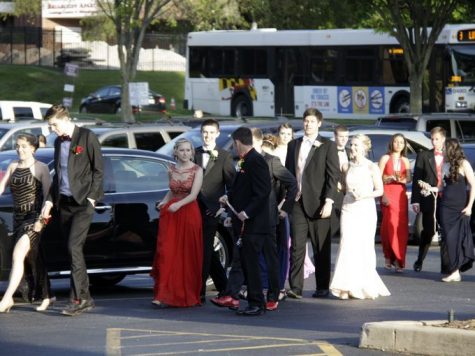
108,99
123,232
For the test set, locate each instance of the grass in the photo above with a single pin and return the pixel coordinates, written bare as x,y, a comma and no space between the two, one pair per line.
46,84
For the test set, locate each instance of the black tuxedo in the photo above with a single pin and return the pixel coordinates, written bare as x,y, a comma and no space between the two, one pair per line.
319,182
250,193
218,176
425,169
336,213
85,172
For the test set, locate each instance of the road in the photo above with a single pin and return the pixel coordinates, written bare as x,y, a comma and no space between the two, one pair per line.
125,322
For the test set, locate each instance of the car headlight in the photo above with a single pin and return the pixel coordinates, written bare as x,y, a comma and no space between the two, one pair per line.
461,104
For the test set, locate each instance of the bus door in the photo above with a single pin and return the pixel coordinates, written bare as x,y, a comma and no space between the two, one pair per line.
288,73
437,79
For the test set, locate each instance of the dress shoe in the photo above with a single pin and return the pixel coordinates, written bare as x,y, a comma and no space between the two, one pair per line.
6,305
293,294
46,303
321,293
282,295
251,311
225,301
417,266
454,277
271,305
75,308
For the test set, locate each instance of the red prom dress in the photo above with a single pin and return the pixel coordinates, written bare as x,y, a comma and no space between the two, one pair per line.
179,253
394,225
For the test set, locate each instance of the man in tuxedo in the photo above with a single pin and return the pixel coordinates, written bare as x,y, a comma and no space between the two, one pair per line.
313,160
341,136
282,182
218,175
249,197
428,168
77,185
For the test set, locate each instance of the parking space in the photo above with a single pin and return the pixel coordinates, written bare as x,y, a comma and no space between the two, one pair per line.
161,342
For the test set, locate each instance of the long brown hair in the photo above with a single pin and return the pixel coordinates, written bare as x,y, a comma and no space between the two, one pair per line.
455,157
391,144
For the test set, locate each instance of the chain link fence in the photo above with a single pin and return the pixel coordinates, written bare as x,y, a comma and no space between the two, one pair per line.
36,46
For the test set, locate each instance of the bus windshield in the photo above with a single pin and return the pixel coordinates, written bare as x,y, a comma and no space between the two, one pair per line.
463,63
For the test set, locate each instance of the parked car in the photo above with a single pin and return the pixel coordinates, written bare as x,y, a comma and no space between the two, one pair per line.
16,110
144,137
226,129
457,125
108,100
122,235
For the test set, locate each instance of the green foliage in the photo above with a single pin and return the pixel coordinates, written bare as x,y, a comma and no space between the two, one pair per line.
28,8
47,84
98,28
211,14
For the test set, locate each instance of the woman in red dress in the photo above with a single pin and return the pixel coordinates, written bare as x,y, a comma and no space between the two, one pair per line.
396,173
178,258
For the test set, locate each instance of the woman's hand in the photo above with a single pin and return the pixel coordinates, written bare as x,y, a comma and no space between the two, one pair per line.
174,207
385,200
467,211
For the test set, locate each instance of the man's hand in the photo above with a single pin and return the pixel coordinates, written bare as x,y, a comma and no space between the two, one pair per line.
223,200
326,210
242,216
416,208
46,211
282,214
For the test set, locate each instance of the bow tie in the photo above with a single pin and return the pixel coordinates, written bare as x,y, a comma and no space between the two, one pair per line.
342,150
65,138
438,153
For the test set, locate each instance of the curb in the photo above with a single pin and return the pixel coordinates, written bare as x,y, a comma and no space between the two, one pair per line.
417,337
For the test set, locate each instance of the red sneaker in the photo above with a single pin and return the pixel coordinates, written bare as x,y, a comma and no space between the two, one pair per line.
225,301
271,305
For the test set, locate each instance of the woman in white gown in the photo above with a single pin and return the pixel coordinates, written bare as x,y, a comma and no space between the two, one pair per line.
355,273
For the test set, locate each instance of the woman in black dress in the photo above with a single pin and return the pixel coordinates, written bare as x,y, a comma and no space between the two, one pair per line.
455,210
29,182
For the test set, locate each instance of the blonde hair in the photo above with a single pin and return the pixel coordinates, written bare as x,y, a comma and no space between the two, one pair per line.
365,140
178,143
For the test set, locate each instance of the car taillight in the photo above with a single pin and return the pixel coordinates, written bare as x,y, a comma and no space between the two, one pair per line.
162,100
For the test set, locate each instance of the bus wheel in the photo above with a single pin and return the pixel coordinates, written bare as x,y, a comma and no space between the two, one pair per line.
241,106
401,106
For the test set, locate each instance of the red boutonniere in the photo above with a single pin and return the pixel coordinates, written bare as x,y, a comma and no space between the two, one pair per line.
77,150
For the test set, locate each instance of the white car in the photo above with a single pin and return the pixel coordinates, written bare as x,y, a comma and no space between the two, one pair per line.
15,110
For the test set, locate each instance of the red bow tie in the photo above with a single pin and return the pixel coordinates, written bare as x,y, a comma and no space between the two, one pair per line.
438,153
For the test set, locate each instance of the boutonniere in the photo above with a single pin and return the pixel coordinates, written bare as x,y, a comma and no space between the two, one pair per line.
77,150
317,144
240,165
213,155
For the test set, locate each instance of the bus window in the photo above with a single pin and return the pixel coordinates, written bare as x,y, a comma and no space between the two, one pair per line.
394,68
197,62
252,62
323,65
360,66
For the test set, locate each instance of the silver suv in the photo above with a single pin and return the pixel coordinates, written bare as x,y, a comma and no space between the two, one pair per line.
457,125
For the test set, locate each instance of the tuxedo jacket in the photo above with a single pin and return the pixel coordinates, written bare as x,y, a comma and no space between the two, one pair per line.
85,167
217,178
320,175
425,169
281,181
250,193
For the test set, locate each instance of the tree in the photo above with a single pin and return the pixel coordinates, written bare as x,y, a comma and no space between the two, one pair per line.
131,18
417,24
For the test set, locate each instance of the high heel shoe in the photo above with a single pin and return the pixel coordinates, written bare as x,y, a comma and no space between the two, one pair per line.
388,264
5,308
46,303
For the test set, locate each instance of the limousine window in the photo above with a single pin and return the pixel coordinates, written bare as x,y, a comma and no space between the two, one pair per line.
136,174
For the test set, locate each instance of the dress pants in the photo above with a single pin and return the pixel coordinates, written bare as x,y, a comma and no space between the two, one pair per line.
319,231
236,274
211,264
75,221
269,266
252,245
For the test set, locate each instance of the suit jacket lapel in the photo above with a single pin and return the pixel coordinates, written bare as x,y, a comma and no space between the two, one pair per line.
74,143
199,156
298,144
311,152
432,163
209,166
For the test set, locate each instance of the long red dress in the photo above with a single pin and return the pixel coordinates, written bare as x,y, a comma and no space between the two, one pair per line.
179,253
394,226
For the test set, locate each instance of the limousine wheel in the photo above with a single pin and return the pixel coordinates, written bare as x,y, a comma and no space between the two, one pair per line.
106,280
